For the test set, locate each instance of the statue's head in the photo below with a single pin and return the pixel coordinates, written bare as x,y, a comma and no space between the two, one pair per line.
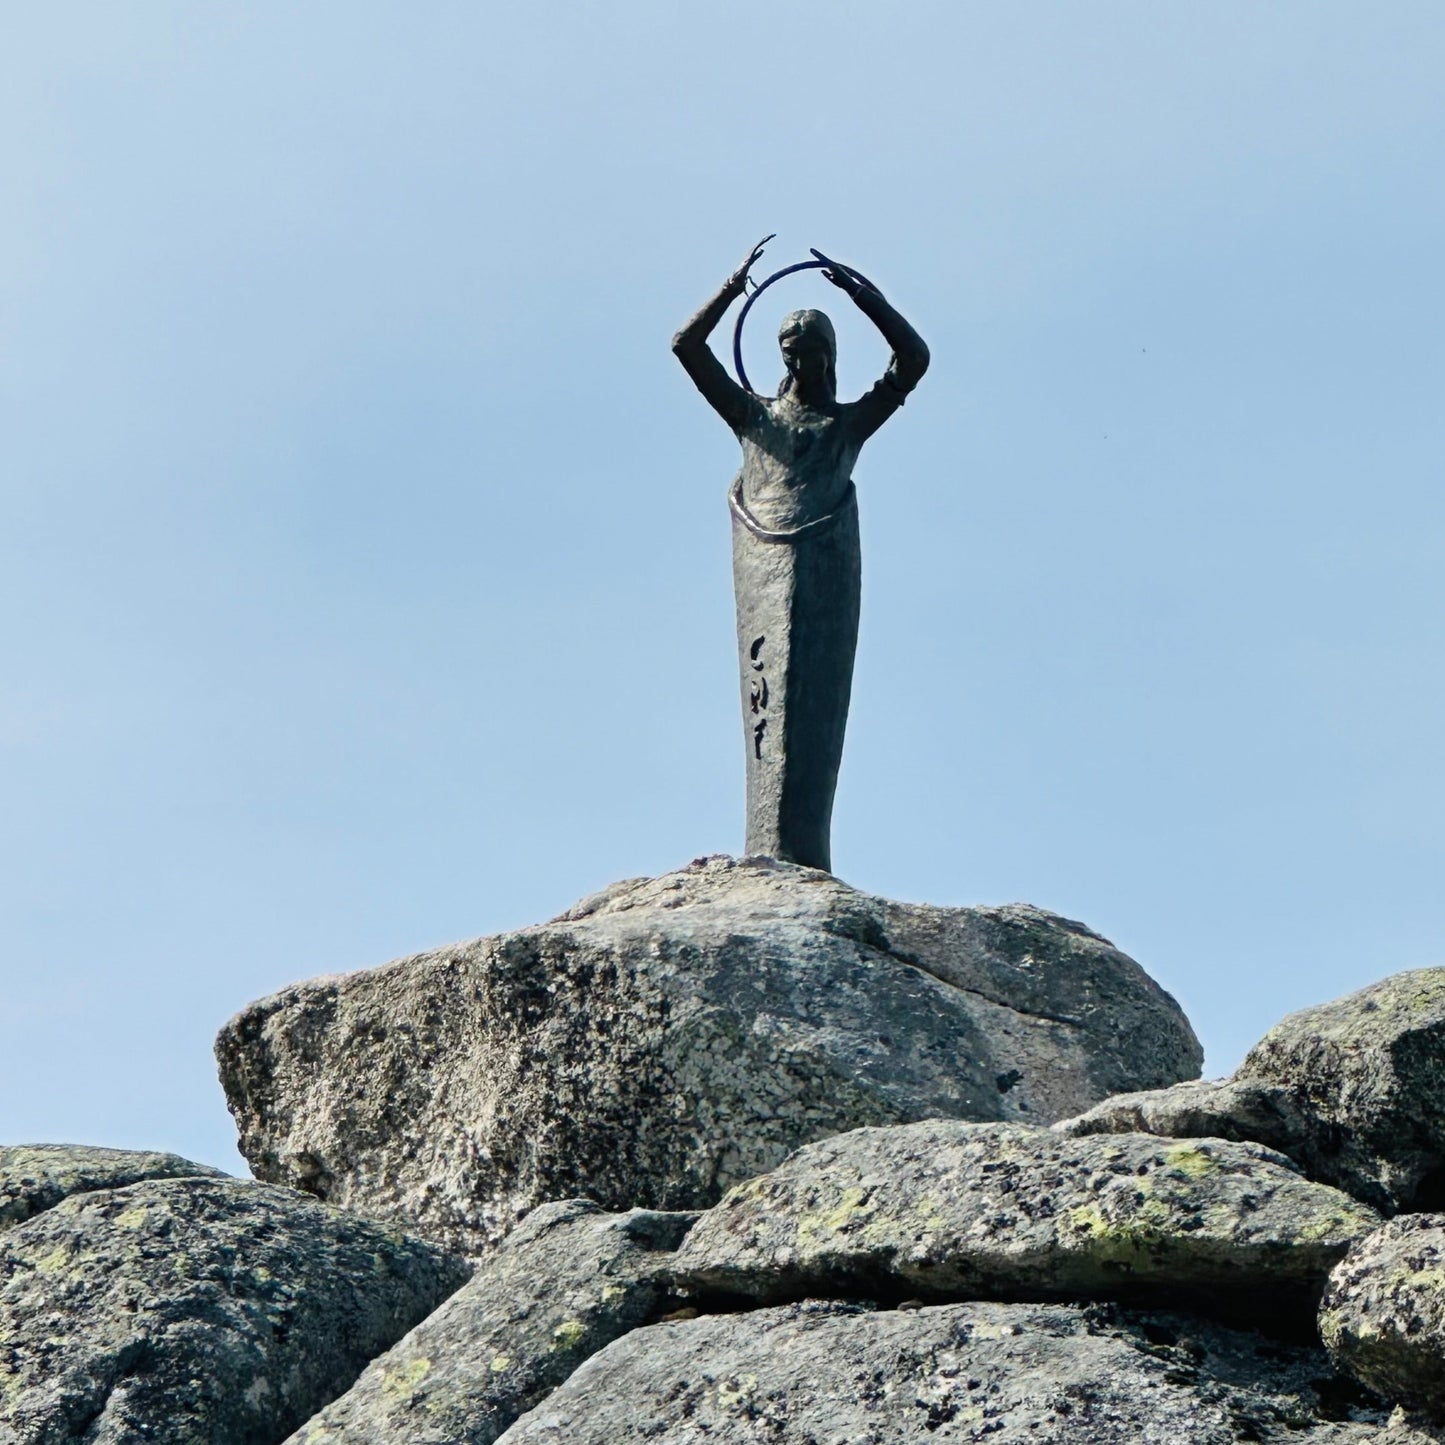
810,352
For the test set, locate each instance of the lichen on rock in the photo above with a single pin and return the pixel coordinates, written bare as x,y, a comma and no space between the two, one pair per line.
1010,1374
36,1177
197,1311
568,1281
1351,1090
951,1210
1383,1314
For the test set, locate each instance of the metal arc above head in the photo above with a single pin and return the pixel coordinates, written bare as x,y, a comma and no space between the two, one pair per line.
778,276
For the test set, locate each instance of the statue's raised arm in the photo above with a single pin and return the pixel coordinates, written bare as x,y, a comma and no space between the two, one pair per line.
910,352
690,347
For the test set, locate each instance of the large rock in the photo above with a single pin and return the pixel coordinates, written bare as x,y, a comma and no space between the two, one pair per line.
36,1177
1383,1315
668,1038
1010,1374
197,1312
1353,1090
948,1210
567,1281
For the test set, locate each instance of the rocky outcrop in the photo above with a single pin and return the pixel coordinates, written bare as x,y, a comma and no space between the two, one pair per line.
568,1281
1351,1090
904,1248
671,1037
197,1311
934,1278
1383,1315
1005,1373
36,1177
947,1211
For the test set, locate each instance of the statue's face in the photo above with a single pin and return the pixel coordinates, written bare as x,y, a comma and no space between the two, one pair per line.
806,355
807,344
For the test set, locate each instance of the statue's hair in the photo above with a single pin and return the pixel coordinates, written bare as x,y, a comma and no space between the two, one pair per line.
811,321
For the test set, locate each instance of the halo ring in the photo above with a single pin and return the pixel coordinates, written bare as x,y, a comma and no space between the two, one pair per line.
778,276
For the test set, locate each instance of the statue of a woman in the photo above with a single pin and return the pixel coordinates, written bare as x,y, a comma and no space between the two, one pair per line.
795,552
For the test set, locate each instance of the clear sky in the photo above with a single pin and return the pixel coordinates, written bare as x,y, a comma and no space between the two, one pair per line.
365,556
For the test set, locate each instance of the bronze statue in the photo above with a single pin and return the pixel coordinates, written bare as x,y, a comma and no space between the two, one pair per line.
795,548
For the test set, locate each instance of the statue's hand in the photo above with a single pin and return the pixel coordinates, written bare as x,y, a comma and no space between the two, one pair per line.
837,275
738,281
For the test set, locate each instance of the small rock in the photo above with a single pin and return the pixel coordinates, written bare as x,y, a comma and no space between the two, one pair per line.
569,1280
36,1177
197,1312
1383,1314
1202,1109
1353,1091
949,1210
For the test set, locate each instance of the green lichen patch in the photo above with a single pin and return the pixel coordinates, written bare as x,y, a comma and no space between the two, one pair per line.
401,1382
1190,1159
1349,1090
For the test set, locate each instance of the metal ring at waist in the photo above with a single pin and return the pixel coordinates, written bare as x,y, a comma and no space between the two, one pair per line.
793,534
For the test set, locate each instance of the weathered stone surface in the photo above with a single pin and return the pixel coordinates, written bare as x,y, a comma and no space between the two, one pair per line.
36,1177
948,1210
1353,1091
1201,1109
1409,1427
198,1312
1383,1314
836,1374
669,1037
567,1281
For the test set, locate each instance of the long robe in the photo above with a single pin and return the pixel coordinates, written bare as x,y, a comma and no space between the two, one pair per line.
797,594
796,578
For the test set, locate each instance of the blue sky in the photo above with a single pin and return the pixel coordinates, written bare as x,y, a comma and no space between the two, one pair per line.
365,552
